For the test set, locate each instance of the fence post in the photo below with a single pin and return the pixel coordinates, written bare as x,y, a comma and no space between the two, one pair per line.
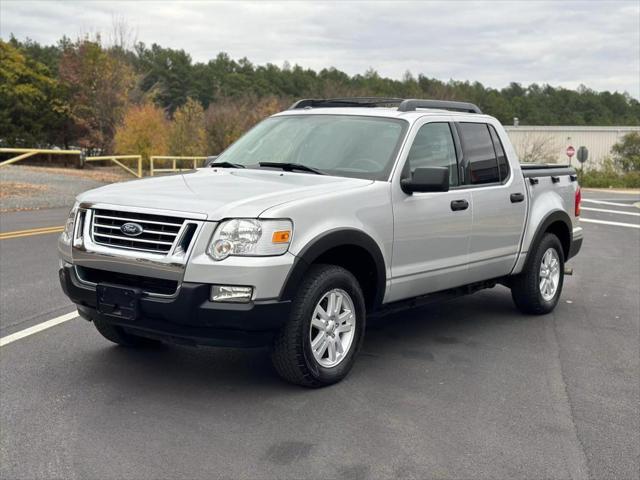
139,166
151,166
81,159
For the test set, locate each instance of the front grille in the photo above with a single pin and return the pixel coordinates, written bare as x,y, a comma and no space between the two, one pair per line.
158,236
147,284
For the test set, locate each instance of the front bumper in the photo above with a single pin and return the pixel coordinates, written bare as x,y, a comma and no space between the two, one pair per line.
189,317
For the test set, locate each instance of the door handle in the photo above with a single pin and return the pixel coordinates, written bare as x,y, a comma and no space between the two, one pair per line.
517,197
459,205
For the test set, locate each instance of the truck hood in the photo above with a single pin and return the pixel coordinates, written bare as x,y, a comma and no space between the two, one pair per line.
220,193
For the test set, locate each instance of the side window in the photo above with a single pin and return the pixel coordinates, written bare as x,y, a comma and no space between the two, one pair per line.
503,163
434,147
479,153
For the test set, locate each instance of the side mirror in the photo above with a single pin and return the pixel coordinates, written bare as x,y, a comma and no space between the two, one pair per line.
427,179
210,160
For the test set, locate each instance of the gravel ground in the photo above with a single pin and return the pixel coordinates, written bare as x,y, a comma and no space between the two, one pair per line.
30,188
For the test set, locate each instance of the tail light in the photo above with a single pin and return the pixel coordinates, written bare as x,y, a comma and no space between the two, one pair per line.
578,200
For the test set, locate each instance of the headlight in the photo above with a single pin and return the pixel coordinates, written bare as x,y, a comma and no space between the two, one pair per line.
70,224
250,237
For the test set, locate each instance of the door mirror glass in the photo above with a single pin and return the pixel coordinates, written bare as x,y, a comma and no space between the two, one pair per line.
427,179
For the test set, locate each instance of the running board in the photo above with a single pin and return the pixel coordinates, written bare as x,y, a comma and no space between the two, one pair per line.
435,297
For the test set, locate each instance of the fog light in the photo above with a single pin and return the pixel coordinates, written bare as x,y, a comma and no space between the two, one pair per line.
230,293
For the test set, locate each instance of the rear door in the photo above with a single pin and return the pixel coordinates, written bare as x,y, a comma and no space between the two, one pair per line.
431,239
499,201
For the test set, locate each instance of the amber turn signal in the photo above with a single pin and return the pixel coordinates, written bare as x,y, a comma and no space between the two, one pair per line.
281,236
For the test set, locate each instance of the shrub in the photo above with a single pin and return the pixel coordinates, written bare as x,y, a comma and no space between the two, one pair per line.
626,152
609,177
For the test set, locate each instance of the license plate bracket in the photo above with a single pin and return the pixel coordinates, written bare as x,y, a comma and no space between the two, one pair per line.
117,301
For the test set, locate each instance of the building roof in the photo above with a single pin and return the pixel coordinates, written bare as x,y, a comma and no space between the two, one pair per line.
570,128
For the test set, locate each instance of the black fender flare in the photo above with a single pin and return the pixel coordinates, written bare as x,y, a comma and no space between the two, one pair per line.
553,217
323,243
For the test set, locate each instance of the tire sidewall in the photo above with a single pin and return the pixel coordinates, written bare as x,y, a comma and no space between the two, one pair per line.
548,241
338,279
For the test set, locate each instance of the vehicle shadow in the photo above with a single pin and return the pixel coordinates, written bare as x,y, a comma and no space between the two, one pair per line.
203,370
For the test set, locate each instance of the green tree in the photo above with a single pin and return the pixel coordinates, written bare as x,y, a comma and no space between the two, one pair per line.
29,108
626,152
167,72
188,135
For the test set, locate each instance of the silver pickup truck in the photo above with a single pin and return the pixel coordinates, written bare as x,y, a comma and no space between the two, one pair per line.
317,218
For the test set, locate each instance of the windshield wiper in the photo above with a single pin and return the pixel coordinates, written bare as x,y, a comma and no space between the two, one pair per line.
289,167
227,165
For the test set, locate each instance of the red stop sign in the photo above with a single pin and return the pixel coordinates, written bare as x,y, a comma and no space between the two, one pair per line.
571,151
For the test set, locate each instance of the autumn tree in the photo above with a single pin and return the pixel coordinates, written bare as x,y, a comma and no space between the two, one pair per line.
227,119
143,131
97,86
188,135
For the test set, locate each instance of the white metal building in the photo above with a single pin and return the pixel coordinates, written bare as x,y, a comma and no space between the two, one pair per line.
551,142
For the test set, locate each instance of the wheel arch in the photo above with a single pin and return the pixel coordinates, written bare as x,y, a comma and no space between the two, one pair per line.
558,223
350,248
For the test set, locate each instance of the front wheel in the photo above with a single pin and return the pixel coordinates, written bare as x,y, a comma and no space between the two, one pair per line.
318,344
537,289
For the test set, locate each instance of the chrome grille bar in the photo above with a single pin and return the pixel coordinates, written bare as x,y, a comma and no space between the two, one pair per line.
125,219
159,232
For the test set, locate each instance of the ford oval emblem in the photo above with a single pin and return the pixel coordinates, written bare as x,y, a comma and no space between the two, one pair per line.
131,229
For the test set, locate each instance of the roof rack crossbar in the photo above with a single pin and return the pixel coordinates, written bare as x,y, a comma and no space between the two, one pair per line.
345,102
413,104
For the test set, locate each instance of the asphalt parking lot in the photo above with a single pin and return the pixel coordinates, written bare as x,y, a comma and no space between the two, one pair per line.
464,389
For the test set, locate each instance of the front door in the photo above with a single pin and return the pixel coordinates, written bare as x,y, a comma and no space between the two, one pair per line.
431,230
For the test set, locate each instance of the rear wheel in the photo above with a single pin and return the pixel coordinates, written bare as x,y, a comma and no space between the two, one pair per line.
318,344
117,335
537,289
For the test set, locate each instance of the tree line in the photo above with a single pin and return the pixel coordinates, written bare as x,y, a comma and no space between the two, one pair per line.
155,100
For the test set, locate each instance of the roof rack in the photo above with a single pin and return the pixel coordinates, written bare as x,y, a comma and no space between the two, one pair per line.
413,104
404,105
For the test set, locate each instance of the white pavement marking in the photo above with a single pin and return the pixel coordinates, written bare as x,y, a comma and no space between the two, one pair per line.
615,224
604,210
37,328
613,204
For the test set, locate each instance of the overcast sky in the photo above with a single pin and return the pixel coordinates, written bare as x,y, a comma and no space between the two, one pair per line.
595,43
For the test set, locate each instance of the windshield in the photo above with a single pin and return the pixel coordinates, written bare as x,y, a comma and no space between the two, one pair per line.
341,145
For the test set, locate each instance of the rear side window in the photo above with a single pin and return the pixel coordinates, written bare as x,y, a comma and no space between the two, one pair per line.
434,147
503,164
479,153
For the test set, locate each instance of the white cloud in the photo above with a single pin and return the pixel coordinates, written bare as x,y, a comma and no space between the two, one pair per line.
560,43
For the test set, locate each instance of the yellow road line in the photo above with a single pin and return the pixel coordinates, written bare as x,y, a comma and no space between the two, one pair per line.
28,233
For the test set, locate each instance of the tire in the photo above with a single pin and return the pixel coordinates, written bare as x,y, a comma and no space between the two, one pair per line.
292,353
528,290
117,335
